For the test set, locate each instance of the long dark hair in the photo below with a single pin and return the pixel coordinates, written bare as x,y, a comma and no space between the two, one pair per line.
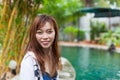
34,46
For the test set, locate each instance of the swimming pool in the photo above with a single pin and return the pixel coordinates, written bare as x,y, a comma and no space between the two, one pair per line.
93,64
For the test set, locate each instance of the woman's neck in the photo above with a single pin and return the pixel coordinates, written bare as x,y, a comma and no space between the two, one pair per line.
47,51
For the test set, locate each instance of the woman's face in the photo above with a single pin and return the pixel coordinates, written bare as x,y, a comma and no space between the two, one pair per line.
45,35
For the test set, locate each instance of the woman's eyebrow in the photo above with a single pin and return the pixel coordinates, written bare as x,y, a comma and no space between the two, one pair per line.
50,29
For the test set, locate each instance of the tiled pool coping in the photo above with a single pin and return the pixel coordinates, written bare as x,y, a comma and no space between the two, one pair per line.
82,44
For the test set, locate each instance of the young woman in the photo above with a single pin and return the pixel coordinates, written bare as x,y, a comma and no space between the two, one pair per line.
41,61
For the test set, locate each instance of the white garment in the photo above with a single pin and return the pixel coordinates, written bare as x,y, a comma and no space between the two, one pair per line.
27,67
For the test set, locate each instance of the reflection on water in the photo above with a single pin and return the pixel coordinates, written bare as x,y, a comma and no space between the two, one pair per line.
92,64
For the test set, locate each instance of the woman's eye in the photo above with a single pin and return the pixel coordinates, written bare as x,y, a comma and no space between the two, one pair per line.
39,32
50,31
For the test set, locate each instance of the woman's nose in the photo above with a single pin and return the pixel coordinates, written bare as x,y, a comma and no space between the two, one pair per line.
45,36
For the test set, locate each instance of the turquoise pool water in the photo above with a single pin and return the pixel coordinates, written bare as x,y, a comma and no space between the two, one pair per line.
93,64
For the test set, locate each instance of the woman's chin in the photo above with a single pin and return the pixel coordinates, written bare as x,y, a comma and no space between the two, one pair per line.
45,46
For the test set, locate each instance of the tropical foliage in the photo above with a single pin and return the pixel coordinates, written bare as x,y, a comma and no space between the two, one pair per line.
111,37
14,24
74,33
63,10
96,29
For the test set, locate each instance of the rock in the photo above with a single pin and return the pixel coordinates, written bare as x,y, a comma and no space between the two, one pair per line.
67,72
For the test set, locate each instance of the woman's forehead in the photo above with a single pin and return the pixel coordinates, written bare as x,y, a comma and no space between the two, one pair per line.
47,25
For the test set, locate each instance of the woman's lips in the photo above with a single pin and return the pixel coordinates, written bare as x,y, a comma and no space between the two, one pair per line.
45,42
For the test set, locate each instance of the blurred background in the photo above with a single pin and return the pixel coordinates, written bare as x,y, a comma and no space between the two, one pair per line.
82,23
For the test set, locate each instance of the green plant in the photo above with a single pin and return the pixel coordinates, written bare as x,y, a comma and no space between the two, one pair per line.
96,29
74,33
64,11
71,30
110,37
